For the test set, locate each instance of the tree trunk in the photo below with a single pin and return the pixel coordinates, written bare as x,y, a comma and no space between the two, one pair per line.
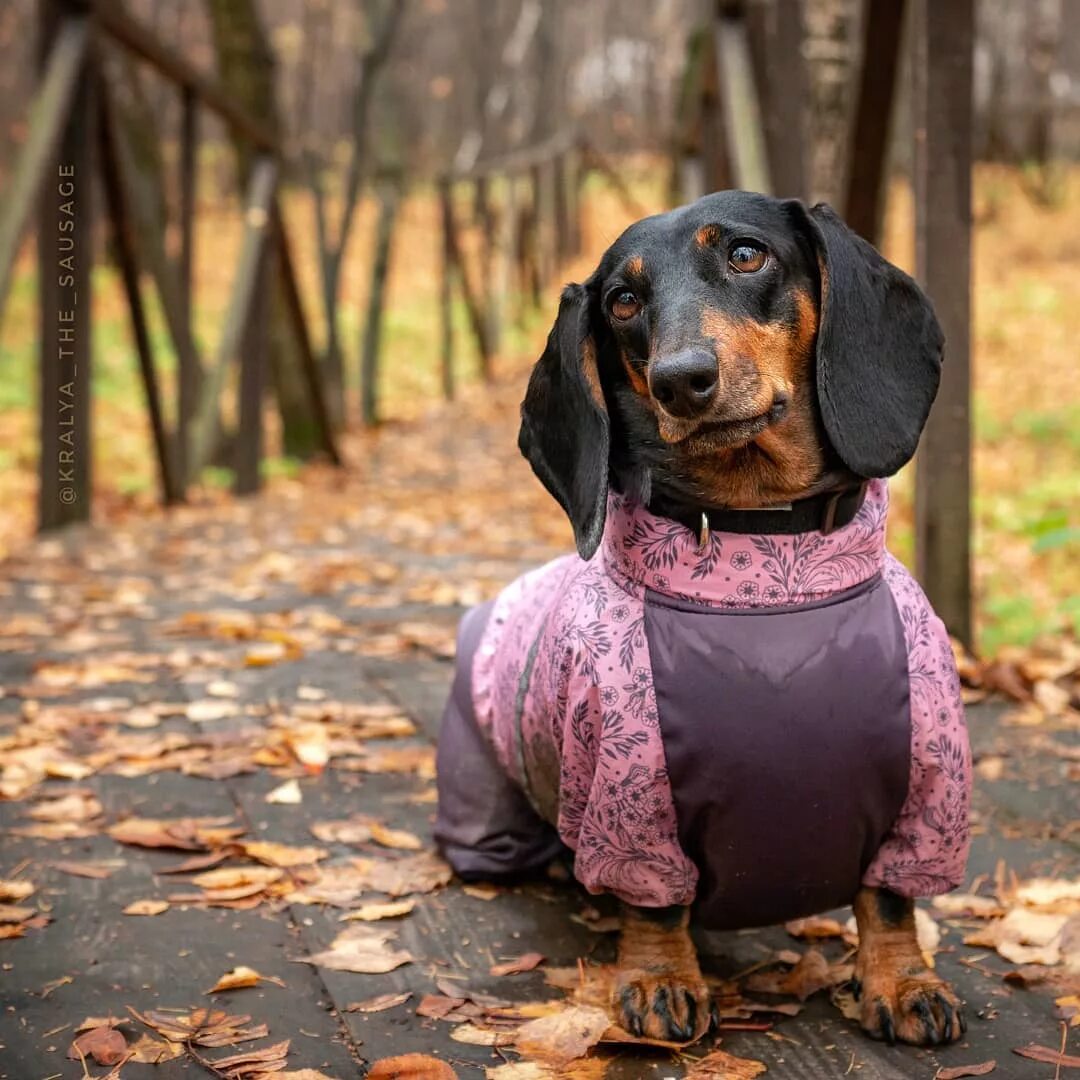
389,200
246,69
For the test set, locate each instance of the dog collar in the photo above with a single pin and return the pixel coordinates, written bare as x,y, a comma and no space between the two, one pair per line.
818,513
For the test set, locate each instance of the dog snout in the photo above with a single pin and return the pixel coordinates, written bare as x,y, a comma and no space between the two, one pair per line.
685,383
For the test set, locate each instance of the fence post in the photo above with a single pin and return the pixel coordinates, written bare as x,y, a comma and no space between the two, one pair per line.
446,290
124,244
254,362
65,256
189,370
868,150
945,37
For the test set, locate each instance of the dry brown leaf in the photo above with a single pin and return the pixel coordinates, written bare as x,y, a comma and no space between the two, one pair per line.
1067,1008
811,974
373,912
208,709
235,877
411,1067
957,1072
100,869
379,1003
274,854
720,1065
527,962
1048,1056
395,838
105,1045
75,806
814,927
362,949
12,913
473,1035
419,873
15,890
252,1063
240,978
964,904
350,831
150,1051
563,1036
1023,936
146,907
180,834
205,1027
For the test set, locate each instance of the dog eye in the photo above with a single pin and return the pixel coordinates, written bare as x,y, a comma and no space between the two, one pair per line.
747,259
625,305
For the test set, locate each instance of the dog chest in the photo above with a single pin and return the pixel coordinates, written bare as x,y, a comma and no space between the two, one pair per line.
786,734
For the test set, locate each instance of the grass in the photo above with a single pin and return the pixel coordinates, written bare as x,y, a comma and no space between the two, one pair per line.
1026,417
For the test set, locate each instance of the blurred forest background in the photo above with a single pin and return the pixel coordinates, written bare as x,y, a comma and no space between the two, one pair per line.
375,99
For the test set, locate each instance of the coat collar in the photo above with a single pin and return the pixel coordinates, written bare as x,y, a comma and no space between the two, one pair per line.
737,570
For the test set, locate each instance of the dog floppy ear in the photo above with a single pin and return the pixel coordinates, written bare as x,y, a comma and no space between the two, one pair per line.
878,352
564,421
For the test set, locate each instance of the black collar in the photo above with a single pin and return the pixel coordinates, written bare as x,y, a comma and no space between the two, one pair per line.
817,513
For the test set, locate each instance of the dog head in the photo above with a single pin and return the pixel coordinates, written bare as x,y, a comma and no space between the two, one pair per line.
739,351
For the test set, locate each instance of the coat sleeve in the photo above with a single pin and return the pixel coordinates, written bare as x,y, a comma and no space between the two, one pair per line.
925,852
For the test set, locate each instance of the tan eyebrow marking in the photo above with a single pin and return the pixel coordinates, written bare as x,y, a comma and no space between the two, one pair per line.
636,266
708,236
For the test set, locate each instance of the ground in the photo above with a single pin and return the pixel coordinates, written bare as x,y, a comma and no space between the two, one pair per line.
188,666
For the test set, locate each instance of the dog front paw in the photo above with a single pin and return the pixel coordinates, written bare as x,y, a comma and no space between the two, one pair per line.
918,1008
662,1004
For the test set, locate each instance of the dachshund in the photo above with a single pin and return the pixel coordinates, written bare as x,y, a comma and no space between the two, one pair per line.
732,704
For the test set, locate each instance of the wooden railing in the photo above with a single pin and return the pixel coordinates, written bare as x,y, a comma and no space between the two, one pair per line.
74,135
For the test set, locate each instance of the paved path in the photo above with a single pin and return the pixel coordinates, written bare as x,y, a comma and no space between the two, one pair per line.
320,594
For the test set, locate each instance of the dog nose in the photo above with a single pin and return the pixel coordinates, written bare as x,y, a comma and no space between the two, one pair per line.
685,383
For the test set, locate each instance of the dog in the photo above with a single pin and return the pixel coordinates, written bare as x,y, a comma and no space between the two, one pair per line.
732,702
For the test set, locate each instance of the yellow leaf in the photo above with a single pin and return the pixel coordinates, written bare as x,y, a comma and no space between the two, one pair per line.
240,978
287,794
373,912
146,907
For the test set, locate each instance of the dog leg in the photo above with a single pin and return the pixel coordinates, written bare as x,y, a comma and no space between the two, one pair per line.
658,990
900,998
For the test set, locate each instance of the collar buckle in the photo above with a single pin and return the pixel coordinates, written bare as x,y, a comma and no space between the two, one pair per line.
704,533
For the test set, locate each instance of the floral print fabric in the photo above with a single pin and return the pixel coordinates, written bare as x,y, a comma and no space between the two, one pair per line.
563,689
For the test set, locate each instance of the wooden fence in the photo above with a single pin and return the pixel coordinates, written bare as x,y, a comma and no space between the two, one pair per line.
74,137
744,126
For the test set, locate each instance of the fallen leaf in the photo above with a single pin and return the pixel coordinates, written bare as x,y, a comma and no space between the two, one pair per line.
373,912
1048,1056
252,1063
723,1066
419,873
380,1003
395,838
150,1051
527,962
1023,936
811,974
563,1036
472,1035
12,913
957,1072
15,890
206,1027
233,877
814,927
105,1045
75,806
99,870
351,831
962,904
201,712
274,854
1067,1008
240,978
411,1067
146,907
287,794
361,949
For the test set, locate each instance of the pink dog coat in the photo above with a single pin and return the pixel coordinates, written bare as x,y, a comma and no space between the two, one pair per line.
757,727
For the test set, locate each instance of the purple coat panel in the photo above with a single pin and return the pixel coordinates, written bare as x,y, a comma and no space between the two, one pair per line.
678,712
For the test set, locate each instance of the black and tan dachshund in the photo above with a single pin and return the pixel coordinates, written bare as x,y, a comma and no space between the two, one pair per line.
740,369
